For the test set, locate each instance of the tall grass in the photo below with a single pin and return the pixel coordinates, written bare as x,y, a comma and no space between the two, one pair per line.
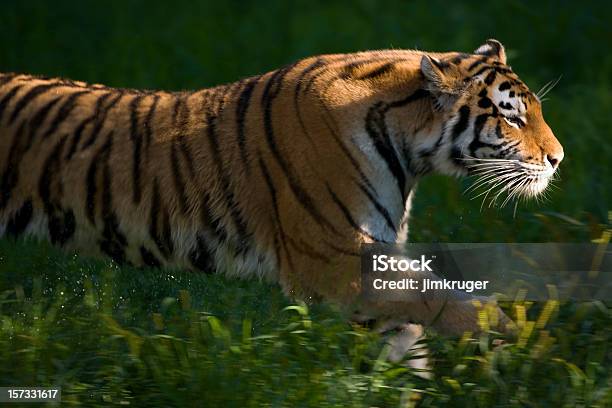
153,338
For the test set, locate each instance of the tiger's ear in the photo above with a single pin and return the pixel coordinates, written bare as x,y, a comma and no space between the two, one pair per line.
443,79
492,49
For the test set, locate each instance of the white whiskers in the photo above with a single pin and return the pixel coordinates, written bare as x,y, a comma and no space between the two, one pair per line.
507,180
547,88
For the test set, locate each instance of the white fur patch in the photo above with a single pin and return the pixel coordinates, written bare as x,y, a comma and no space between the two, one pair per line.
402,233
503,97
485,49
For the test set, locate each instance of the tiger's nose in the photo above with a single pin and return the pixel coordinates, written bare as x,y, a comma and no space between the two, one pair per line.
554,159
550,147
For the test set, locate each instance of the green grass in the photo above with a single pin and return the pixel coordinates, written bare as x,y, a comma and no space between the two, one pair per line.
160,338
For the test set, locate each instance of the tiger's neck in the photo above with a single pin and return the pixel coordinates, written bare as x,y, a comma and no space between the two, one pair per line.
400,138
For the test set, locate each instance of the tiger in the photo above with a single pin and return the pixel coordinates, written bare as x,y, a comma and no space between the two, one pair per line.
282,176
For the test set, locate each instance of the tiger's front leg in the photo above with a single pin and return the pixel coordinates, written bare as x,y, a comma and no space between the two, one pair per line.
338,280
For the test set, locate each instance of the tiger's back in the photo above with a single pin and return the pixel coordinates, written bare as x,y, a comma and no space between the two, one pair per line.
159,178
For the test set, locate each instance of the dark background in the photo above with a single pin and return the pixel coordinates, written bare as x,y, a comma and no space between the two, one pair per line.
190,45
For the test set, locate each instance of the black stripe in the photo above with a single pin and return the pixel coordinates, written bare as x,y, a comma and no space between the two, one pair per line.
380,71
167,232
482,70
460,57
379,207
485,102
63,112
271,188
136,139
349,69
417,95
91,177
490,77
242,107
272,90
99,120
154,212
183,114
496,69
499,145
479,123
19,147
347,214
498,130
319,62
476,63
296,95
209,220
90,186
182,143
7,98
179,183
179,102
62,227
11,172
424,166
407,155
148,258
277,217
161,236
29,96
476,143
113,241
239,222
38,118
376,128
505,86
313,79
6,78
347,72
351,158
456,156
148,130
201,256
78,132
509,147
20,220
462,123
60,222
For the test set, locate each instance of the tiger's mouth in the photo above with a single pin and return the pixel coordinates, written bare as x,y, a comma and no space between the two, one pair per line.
506,180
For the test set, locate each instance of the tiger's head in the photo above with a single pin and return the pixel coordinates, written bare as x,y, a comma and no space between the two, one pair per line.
493,124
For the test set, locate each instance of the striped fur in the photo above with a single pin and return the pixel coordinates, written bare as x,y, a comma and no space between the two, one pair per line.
281,176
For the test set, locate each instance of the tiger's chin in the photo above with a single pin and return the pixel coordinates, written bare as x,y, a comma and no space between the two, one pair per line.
535,188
